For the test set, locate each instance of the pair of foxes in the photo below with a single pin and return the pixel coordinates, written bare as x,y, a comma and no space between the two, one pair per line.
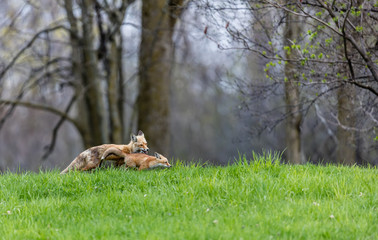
132,155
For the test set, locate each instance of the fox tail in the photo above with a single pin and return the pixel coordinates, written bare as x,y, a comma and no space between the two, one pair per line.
70,167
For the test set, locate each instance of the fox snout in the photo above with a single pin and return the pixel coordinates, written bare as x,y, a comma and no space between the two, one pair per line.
144,150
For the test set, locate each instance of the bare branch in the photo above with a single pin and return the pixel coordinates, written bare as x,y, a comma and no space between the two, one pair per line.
49,148
28,45
40,107
375,92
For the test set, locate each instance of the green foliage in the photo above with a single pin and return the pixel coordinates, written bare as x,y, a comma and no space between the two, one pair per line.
296,46
359,28
355,12
287,49
259,199
328,41
313,35
304,76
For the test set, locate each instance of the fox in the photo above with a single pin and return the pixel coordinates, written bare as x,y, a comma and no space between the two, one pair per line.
91,158
138,160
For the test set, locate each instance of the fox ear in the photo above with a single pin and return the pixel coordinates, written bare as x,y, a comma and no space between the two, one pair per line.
133,138
140,133
157,155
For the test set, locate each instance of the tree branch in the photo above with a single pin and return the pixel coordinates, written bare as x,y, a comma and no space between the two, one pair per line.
49,148
375,92
28,45
41,107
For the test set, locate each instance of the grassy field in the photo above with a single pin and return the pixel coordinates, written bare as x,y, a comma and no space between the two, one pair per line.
260,200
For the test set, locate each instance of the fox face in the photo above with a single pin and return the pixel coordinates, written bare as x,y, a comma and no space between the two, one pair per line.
161,161
139,143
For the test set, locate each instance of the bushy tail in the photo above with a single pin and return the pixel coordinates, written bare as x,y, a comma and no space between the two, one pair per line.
65,170
70,167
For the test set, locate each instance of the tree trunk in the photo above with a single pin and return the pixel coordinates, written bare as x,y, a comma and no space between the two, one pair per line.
346,149
121,90
292,95
111,48
155,64
76,55
114,94
98,124
93,98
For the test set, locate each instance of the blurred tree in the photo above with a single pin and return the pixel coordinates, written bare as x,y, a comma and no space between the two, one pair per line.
292,31
96,71
350,27
346,95
318,54
101,112
155,65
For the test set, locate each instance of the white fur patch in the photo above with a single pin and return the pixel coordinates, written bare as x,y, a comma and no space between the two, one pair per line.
160,165
86,153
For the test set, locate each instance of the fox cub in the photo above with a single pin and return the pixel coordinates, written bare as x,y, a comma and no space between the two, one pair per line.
91,158
138,160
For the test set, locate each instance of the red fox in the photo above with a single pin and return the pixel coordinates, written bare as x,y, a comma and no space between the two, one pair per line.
91,158
139,160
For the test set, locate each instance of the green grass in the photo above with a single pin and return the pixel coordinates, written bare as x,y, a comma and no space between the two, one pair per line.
260,200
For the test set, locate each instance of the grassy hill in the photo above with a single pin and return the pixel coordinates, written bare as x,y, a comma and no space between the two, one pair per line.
260,200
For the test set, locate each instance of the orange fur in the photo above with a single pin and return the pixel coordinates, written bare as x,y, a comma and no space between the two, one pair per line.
92,157
140,160
144,161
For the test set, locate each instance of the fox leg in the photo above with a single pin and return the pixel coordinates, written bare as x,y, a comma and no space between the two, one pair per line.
142,167
112,151
89,166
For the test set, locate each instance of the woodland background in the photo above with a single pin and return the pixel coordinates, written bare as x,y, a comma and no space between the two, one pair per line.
205,80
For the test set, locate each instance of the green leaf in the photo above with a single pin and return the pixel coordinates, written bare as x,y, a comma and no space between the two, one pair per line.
359,28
